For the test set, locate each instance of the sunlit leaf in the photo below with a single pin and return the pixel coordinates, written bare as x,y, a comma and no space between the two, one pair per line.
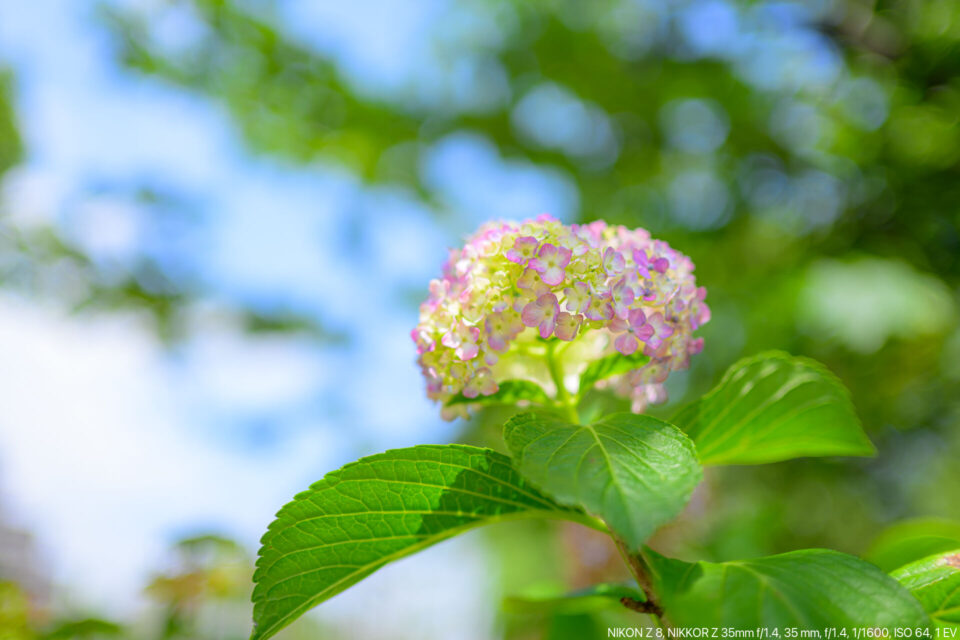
774,407
599,596
609,366
509,393
808,589
85,628
935,582
911,540
634,472
376,510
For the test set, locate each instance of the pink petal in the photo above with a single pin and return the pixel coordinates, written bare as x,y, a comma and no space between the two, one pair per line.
644,332
532,314
547,301
467,351
547,251
528,279
664,330
599,310
567,326
547,327
617,325
612,261
450,339
497,342
702,317
625,344
655,351
523,248
554,276
513,256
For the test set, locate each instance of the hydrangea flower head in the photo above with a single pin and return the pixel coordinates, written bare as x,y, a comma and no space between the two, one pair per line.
518,293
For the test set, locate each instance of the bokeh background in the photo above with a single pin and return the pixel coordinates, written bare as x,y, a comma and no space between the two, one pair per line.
218,217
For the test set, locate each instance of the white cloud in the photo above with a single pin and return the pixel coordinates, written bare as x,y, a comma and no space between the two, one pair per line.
99,458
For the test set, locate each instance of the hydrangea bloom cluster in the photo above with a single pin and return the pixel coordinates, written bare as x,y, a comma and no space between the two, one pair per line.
515,288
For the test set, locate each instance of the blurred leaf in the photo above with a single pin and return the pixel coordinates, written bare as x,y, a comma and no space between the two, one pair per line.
574,627
808,589
207,543
14,612
11,145
379,509
509,393
772,407
935,582
87,628
634,472
600,596
609,366
865,302
912,540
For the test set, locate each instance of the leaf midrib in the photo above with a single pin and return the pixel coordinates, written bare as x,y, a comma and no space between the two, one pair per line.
613,477
372,566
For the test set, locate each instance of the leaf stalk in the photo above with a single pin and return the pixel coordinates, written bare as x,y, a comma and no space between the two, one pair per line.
565,402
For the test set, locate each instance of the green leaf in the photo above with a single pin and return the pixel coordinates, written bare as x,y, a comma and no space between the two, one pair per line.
911,540
935,582
809,589
774,407
85,628
634,472
610,366
509,393
600,596
376,510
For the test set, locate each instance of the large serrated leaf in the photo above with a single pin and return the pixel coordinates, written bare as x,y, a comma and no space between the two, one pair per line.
808,589
634,472
376,510
935,582
774,407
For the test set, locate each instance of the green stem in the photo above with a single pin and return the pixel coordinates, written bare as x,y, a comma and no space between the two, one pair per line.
565,402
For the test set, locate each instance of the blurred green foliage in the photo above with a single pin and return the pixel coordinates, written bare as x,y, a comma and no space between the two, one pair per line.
11,146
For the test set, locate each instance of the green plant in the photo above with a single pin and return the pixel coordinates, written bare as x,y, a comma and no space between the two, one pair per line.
624,474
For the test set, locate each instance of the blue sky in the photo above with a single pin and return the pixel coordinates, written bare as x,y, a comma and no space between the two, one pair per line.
141,444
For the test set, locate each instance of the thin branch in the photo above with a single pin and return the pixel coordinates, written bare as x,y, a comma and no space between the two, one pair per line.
642,607
641,573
